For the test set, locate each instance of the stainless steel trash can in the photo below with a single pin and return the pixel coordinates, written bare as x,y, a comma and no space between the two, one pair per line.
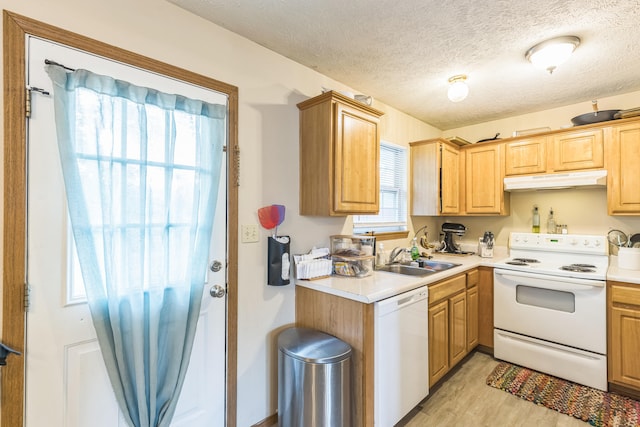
314,379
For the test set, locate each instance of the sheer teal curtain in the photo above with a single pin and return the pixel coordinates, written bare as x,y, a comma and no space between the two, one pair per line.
141,171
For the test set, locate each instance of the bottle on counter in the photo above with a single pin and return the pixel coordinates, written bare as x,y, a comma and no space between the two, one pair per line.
551,223
415,252
381,255
536,220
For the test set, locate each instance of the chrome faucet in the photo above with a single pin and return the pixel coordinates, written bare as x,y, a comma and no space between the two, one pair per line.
394,254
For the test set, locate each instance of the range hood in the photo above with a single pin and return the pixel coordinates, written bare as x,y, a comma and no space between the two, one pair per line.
556,181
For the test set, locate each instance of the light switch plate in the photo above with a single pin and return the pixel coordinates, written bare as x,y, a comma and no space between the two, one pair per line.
250,233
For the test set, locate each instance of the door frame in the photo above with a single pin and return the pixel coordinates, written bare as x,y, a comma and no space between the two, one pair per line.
15,28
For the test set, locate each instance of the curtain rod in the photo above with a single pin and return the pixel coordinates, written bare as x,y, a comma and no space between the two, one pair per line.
50,62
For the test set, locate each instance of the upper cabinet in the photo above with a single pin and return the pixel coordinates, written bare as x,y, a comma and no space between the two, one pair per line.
525,156
623,158
484,179
561,152
576,150
435,178
339,156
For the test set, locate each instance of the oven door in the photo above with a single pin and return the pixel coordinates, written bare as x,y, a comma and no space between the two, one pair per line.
562,310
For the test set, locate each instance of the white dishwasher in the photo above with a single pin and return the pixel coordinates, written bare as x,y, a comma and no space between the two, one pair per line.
401,363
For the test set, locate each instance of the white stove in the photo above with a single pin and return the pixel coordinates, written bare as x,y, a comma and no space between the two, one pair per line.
550,306
568,255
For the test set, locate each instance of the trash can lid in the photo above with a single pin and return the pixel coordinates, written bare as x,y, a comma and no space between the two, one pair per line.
313,346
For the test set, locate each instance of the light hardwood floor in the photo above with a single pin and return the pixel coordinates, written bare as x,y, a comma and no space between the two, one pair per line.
464,400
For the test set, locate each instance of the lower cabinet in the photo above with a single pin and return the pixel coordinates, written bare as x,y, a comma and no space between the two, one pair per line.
447,326
453,331
623,311
485,308
352,322
472,309
438,340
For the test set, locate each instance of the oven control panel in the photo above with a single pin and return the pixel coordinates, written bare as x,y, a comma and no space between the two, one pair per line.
572,243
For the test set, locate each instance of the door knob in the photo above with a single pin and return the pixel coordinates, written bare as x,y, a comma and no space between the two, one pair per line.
4,352
217,291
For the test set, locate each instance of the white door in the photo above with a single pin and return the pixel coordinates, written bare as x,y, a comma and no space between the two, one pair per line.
66,381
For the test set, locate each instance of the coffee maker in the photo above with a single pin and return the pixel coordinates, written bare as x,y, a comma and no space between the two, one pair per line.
449,229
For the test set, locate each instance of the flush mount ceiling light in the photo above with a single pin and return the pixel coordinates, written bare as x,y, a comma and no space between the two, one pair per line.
553,52
458,89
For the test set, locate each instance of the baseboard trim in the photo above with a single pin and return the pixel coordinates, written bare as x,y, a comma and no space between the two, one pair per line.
270,421
624,391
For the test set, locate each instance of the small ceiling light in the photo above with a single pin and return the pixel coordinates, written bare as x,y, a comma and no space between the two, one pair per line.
458,89
553,52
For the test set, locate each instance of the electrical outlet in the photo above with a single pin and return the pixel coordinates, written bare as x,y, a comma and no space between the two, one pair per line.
250,233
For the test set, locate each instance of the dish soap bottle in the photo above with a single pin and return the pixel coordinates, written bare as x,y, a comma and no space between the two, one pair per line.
415,252
536,220
551,223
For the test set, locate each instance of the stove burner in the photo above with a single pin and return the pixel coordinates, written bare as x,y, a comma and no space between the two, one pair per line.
579,268
516,263
525,260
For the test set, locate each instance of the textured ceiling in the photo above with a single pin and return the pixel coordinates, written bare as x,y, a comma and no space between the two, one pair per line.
403,52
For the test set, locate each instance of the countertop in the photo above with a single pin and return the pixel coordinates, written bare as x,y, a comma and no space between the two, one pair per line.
381,284
620,274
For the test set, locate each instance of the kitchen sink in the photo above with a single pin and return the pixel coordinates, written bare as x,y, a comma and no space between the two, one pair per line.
406,269
438,265
427,267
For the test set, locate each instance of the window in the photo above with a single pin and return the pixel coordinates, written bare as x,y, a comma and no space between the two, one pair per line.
393,193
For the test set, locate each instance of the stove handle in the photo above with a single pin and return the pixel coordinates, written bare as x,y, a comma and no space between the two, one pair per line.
512,275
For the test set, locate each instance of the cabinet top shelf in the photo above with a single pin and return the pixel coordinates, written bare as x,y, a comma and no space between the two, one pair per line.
574,129
336,96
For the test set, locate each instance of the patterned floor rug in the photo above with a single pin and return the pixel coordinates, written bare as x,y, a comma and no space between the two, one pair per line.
596,407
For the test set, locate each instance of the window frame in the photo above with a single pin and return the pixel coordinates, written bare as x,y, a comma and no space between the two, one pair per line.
399,229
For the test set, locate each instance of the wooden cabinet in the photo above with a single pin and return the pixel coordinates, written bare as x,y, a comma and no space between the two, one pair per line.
485,308
577,150
623,310
458,328
451,317
435,178
623,159
353,322
447,326
438,340
559,152
484,180
339,156
525,156
472,309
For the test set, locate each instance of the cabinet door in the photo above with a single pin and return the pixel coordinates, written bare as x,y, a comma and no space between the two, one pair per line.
484,192
624,174
578,150
472,318
458,328
425,177
356,158
449,180
485,307
438,341
528,156
625,347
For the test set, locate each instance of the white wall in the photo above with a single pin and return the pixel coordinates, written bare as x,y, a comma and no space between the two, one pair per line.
270,86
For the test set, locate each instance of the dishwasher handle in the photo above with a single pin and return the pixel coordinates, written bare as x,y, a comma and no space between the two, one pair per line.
403,300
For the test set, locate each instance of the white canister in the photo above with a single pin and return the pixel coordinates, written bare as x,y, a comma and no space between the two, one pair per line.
629,258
